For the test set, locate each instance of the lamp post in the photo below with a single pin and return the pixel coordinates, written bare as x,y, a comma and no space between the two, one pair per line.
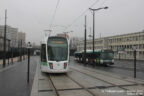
93,10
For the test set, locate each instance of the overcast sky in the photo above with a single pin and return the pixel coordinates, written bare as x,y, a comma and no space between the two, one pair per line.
35,16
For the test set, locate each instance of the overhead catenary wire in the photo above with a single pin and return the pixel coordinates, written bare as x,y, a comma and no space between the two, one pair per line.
80,15
75,20
53,17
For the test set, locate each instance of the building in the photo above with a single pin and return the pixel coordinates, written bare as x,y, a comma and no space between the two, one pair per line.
74,41
21,39
2,44
122,45
11,34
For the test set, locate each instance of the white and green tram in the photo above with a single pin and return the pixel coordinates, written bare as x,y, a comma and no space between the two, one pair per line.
55,55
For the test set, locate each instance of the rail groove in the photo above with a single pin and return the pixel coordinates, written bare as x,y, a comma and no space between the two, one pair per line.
53,86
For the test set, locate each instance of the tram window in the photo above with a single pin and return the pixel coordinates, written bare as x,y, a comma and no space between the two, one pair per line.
43,53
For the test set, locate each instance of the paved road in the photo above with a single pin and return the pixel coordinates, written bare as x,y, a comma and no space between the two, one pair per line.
13,79
122,67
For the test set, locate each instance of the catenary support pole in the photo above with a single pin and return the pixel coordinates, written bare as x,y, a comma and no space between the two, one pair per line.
85,34
134,63
4,46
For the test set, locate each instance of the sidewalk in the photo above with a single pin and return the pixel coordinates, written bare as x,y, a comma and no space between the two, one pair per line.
8,62
13,78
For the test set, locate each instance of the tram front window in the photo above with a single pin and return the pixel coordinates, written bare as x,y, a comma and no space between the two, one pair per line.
57,53
107,56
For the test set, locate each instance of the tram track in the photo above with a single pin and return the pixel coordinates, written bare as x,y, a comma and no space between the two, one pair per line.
63,89
121,77
53,86
86,89
113,85
57,91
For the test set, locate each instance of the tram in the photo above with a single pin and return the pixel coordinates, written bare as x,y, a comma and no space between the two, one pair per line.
103,57
55,55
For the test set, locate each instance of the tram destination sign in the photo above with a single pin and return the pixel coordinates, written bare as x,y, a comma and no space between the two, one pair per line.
57,42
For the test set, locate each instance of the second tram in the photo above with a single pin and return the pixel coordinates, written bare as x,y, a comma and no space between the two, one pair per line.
104,57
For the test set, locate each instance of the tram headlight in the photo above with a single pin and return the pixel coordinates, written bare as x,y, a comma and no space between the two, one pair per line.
112,60
101,61
65,65
51,65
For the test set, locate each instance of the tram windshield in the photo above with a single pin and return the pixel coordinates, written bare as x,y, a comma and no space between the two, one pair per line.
57,49
107,55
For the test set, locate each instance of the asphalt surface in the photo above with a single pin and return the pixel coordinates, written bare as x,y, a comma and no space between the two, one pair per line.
13,78
120,67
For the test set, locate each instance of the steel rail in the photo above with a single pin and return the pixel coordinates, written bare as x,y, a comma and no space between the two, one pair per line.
53,86
120,86
87,89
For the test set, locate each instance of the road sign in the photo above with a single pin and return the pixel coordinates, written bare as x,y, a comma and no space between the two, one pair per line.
29,45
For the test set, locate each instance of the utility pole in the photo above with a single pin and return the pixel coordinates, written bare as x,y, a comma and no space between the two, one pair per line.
85,34
135,63
5,29
93,10
12,55
21,50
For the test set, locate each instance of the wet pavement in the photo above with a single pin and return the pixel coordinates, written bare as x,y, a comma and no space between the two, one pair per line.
120,67
13,78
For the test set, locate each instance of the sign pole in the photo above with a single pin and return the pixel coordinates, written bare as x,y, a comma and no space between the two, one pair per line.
28,65
28,69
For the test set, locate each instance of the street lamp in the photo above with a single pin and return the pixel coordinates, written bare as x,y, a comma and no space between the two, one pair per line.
93,10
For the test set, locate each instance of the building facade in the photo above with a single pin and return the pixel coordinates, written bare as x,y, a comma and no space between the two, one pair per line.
74,41
2,44
101,43
21,39
11,34
122,45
